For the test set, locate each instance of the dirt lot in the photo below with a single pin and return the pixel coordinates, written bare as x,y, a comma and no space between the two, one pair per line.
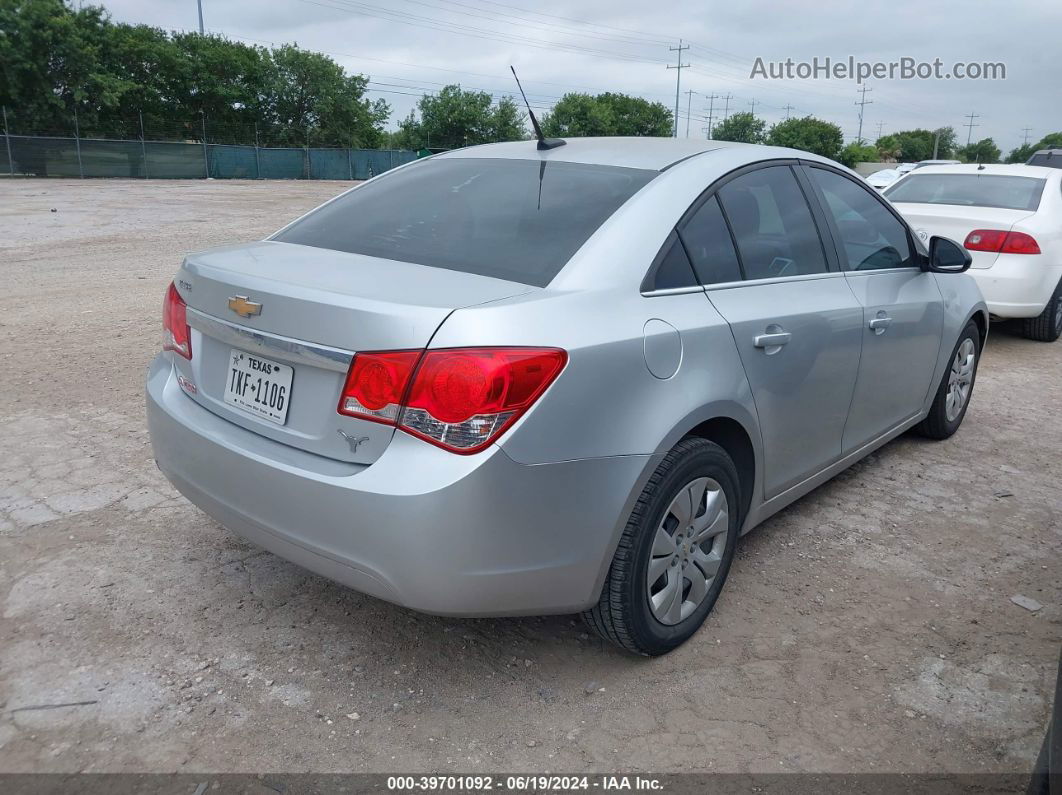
867,628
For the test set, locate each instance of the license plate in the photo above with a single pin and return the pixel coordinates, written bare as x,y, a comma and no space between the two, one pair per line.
259,386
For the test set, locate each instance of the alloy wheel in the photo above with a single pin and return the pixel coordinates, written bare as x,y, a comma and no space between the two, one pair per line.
960,379
687,550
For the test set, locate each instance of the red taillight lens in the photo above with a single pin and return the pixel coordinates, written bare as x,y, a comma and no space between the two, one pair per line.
999,241
176,336
1020,243
376,385
460,399
985,240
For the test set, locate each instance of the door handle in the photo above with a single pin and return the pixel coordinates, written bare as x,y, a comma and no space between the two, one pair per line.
773,340
880,323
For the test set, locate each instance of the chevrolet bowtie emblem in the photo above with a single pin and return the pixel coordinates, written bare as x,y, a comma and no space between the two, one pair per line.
244,308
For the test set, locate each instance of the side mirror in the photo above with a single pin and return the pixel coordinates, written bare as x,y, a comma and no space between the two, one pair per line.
947,256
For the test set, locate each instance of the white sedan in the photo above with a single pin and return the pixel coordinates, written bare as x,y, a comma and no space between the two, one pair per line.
1009,218
880,180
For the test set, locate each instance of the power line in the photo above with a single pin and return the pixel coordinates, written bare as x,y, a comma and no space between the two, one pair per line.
430,23
678,67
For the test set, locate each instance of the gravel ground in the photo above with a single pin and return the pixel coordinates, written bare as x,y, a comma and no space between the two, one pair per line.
869,627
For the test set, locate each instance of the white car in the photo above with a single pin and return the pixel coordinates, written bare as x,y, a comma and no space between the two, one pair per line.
924,163
880,180
1009,218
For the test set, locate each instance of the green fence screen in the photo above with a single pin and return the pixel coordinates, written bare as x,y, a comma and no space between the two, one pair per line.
89,157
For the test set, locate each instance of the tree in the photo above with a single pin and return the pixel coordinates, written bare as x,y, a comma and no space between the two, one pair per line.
809,134
1024,152
55,61
310,100
1021,153
856,152
742,128
607,114
910,146
455,117
983,151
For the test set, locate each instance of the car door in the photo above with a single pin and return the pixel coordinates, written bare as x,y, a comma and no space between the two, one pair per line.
903,311
756,247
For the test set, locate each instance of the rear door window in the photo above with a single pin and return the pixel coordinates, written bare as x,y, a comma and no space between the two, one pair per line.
775,232
520,220
710,246
969,190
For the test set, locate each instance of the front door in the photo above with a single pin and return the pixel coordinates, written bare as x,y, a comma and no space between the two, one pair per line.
903,311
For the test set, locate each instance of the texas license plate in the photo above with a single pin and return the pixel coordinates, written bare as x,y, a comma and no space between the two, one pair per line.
259,386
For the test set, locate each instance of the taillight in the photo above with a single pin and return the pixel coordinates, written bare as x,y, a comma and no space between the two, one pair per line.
460,399
376,384
176,336
1020,243
999,241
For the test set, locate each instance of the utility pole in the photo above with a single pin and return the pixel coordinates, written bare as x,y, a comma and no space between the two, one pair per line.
7,140
77,141
1025,135
753,105
788,108
143,145
200,4
689,101
678,67
970,125
880,125
863,102
711,112
726,107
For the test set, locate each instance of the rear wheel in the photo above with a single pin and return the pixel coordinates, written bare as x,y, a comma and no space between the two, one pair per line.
1047,326
675,552
956,387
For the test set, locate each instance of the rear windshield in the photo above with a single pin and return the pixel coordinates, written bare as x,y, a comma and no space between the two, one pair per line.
970,190
1049,159
520,220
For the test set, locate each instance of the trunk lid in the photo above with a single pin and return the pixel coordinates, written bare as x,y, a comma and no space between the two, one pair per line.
957,221
314,308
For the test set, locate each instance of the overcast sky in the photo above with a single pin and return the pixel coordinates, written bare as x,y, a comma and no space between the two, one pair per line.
408,47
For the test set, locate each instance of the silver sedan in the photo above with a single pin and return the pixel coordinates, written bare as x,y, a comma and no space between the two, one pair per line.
516,380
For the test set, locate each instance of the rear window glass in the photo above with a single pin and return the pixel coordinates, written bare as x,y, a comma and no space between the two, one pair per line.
520,220
1049,159
970,190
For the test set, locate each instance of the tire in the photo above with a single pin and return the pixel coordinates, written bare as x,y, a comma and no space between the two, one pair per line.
938,424
1047,326
625,614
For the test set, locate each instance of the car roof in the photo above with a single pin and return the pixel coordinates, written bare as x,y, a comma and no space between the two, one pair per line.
998,169
655,154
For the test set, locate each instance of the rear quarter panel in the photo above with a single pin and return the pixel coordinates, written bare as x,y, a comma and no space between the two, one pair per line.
607,402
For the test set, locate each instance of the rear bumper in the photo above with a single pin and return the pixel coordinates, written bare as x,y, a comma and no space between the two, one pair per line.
447,534
1017,285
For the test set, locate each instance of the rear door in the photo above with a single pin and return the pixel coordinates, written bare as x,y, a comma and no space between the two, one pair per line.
796,323
902,306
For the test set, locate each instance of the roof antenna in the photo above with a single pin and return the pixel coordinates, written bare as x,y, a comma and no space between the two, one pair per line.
543,141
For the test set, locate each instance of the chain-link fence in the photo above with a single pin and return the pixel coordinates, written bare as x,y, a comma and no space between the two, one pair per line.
47,154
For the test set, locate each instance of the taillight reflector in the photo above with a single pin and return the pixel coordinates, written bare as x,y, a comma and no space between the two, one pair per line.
176,336
460,399
999,241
